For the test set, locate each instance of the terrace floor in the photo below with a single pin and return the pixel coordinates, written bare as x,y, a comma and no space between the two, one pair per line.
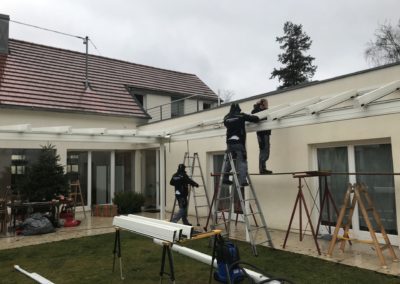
358,254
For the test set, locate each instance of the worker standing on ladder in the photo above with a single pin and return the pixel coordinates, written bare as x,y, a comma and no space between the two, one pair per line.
234,122
263,138
180,180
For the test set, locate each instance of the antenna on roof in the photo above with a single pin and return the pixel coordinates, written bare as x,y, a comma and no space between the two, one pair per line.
86,42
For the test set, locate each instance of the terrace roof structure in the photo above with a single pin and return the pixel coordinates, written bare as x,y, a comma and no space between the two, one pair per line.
350,104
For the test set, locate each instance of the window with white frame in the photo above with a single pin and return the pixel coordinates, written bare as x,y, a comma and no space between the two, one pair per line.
177,107
360,160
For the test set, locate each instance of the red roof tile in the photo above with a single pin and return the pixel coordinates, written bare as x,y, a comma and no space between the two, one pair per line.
43,77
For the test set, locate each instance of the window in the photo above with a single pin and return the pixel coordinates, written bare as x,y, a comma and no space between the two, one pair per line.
206,105
18,164
177,105
140,99
376,158
124,171
77,167
14,164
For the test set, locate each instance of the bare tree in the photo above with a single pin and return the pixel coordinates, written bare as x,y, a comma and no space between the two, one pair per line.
386,46
226,95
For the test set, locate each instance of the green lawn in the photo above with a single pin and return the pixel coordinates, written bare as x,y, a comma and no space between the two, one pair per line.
89,260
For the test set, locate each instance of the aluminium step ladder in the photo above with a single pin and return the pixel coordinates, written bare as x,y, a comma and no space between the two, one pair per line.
365,204
249,207
76,196
200,195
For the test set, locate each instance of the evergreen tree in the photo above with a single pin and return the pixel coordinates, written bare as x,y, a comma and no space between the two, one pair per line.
298,67
44,179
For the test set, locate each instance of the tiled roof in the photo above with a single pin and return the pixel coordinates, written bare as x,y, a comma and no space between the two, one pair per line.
43,77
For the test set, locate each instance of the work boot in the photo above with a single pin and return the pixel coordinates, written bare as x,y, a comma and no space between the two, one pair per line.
265,172
227,182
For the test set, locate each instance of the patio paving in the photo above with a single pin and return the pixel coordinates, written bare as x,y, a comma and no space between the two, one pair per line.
358,254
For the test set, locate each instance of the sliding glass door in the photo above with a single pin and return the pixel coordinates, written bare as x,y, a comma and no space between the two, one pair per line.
359,159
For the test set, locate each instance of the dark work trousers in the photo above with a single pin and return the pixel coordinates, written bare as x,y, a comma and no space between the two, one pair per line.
239,152
182,212
263,143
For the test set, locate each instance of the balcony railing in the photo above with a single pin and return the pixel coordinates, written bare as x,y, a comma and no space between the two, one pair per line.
179,107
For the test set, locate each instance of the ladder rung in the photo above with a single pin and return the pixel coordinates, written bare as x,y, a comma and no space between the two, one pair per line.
200,195
256,229
386,246
250,199
355,240
370,209
201,206
267,241
223,198
254,213
219,224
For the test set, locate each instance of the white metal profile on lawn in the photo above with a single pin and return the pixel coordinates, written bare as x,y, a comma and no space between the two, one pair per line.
153,228
187,231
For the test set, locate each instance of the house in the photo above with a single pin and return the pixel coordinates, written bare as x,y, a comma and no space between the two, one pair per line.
347,125
90,108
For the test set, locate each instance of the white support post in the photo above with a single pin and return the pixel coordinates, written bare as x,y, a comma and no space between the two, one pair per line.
138,171
158,182
89,180
162,181
112,175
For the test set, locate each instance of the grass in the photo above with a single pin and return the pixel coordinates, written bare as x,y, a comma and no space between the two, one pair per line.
89,260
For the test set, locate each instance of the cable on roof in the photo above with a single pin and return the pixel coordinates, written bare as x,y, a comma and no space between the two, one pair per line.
45,29
57,32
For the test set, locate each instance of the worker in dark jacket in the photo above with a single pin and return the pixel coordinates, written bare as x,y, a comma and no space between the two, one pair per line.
234,122
263,138
180,180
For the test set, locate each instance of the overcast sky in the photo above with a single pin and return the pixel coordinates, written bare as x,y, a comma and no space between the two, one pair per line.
229,44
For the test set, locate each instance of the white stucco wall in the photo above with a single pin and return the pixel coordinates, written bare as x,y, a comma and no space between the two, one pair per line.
153,101
293,148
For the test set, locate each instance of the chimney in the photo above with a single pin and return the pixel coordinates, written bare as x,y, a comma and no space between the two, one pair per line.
4,22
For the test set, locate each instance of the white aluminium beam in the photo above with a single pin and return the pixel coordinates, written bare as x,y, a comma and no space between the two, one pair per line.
16,128
121,132
146,133
53,129
193,125
369,97
187,231
265,113
148,228
88,131
329,102
292,108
